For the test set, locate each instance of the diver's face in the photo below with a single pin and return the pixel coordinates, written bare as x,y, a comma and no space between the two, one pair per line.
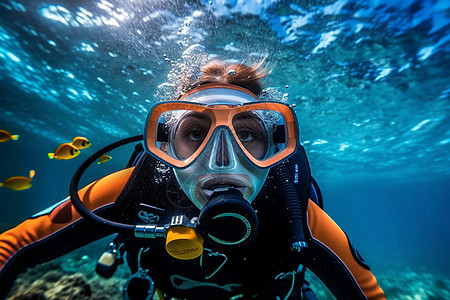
221,165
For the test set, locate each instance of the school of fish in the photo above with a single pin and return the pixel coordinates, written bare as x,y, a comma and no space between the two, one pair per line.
63,152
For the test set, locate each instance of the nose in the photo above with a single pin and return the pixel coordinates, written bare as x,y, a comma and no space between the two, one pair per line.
222,157
222,154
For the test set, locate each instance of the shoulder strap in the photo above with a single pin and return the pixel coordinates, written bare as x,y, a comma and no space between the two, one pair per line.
134,158
315,194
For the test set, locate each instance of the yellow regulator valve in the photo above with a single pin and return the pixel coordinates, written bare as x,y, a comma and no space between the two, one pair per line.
182,241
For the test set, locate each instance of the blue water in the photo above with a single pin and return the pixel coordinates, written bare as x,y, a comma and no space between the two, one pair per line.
370,80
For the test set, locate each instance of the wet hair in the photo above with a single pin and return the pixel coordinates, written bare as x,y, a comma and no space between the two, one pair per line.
248,77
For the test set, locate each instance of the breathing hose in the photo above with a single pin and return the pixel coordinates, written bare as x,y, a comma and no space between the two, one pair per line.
75,198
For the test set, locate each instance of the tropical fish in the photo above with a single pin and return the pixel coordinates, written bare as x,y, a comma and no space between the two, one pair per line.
6,136
18,183
64,151
103,158
81,142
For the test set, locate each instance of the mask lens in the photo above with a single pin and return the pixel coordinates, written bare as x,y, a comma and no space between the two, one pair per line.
185,131
261,132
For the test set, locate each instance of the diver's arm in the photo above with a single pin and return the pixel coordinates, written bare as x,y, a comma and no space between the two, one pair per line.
58,230
334,260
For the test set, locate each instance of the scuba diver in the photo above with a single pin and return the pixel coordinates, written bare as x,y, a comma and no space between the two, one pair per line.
217,202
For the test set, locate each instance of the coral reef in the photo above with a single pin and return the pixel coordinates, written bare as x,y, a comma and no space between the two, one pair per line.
72,287
70,277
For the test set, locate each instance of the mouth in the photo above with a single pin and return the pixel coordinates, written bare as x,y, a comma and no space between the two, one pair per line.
223,183
220,187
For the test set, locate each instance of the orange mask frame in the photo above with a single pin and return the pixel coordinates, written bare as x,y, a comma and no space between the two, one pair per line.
221,115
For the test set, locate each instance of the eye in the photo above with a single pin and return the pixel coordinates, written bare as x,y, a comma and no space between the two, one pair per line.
195,134
246,135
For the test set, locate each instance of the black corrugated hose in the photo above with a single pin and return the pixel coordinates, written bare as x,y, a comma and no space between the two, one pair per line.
293,206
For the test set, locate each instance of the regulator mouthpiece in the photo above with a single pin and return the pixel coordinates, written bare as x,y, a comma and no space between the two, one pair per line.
182,242
228,220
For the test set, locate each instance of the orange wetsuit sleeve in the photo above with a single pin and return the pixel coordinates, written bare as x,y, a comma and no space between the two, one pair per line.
57,230
333,259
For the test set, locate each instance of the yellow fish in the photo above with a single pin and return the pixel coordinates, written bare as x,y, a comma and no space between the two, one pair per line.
6,136
103,158
64,151
81,142
18,183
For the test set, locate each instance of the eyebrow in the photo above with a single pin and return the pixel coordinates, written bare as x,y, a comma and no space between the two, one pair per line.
248,115
194,114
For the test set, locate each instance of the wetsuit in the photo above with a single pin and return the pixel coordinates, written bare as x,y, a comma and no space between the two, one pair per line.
147,193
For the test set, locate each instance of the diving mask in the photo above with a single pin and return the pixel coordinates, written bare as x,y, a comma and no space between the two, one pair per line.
225,131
